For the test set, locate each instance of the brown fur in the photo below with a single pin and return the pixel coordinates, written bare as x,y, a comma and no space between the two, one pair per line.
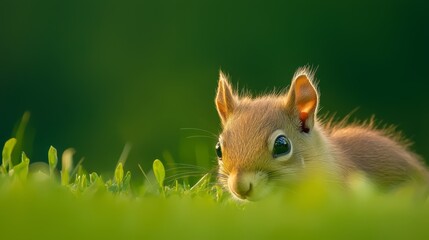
248,167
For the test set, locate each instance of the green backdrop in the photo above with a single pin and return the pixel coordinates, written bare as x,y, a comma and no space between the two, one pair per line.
98,74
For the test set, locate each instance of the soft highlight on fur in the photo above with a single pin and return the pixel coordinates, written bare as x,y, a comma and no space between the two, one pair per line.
249,170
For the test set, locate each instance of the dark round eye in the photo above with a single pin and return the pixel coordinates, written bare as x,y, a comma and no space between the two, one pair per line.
218,150
281,146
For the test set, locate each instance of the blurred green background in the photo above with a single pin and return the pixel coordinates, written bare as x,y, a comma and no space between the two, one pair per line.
98,74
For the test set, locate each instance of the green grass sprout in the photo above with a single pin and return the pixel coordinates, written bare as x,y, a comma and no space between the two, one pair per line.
7,155
119,174
52,160
159,171
19,135
20,171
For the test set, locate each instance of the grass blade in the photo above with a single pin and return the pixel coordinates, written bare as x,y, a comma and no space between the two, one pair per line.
53,160
159,171
7,154
20,171
119,174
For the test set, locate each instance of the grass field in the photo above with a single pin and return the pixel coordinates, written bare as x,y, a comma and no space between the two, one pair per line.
73,204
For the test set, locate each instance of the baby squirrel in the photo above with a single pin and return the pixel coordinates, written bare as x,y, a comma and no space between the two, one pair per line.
268,141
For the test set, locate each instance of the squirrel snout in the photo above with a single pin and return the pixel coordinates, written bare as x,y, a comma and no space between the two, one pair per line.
239,185
242,185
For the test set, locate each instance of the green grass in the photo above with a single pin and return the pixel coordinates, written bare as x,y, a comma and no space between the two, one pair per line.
74,204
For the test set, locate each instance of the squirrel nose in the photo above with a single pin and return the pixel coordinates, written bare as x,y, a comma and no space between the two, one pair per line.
240,185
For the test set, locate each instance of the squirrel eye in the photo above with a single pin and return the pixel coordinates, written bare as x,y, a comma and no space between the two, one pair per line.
281,146
218,150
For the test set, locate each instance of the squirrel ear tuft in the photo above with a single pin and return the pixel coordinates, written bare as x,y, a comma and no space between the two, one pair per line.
225,98
303,100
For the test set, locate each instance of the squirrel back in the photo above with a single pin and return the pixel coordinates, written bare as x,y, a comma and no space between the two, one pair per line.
268,141
382,155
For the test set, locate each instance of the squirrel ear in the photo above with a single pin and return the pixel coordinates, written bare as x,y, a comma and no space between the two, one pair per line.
303,100
225,98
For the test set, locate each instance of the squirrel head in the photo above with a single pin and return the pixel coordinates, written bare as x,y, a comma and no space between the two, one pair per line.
264,140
